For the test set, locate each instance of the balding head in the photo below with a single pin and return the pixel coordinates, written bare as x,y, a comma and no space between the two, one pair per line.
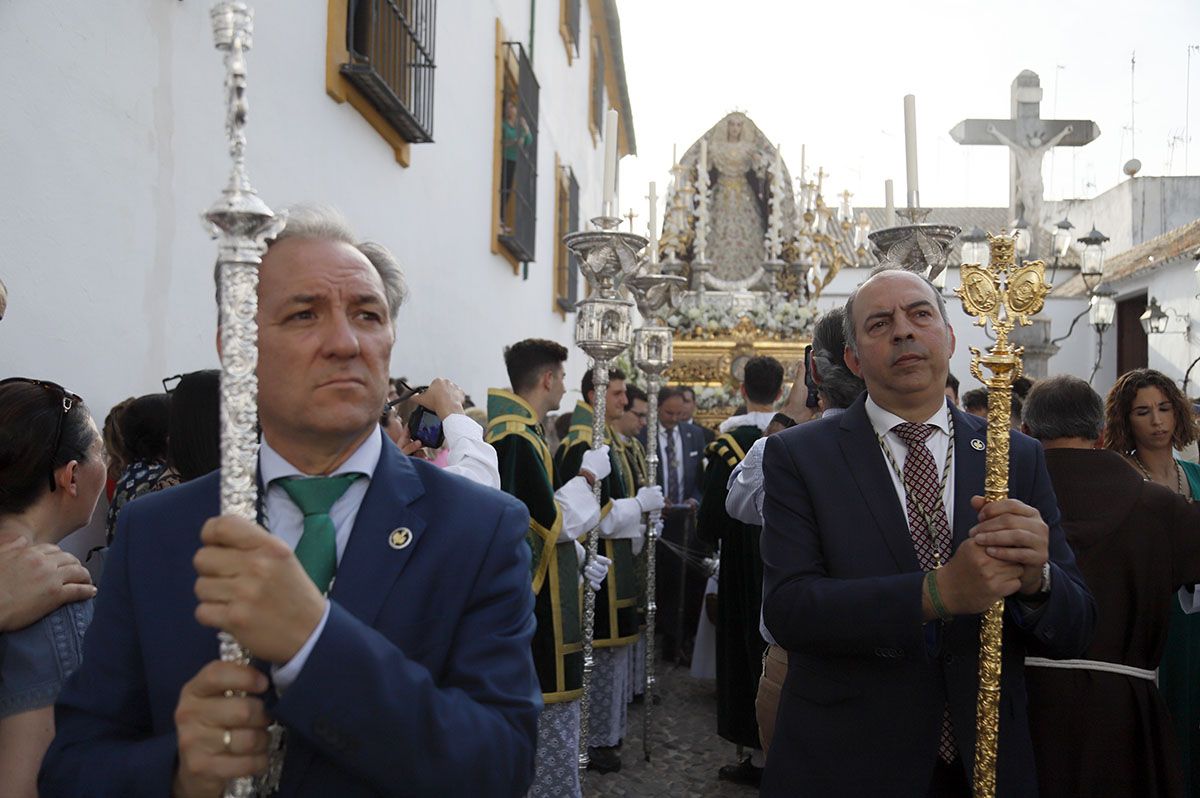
899,340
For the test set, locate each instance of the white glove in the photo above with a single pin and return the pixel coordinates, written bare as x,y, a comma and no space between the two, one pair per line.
596,461
595,570
650,499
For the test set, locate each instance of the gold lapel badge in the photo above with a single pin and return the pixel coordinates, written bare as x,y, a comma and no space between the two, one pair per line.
977,444
400,538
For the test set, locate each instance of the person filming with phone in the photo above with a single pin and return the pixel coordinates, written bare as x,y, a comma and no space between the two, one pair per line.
439,422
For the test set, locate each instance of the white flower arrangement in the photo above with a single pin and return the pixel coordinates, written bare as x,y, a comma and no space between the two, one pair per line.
720,398
785,320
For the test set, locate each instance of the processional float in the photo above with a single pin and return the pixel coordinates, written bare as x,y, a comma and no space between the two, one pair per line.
242,224
652,354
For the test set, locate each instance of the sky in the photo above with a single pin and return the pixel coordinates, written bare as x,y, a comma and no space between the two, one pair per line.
832,76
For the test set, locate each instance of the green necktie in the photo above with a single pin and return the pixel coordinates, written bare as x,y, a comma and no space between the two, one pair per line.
317,549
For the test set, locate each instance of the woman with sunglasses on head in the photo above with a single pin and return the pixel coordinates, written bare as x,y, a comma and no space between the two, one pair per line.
1146,419
52,470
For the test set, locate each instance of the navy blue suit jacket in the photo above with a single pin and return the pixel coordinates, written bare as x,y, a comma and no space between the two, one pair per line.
692,457
862,704
422,682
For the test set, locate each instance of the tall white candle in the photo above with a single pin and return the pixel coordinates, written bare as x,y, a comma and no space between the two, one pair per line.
910,150
610,163
802,148
889,205
653,197
703,155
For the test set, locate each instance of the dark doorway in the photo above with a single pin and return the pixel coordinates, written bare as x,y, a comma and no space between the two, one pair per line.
1133,351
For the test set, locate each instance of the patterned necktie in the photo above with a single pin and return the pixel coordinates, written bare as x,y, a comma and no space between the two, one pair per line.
673,490
927,522
317,549
928,526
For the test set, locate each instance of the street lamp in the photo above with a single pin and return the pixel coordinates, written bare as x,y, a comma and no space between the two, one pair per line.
975,247
1022,240
1091,263
1103,308
1062,238
1156,319
1100,315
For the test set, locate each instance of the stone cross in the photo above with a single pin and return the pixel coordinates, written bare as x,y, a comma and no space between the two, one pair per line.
1028,138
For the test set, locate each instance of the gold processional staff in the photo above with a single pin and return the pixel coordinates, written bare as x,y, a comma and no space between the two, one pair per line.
1006,294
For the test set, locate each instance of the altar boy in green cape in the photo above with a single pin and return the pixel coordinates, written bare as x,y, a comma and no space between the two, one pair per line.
616,620
557,519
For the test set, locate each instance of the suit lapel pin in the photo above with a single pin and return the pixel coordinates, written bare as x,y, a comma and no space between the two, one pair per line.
400,538
977,444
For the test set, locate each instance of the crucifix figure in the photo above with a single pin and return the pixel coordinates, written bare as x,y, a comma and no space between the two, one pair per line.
1029,138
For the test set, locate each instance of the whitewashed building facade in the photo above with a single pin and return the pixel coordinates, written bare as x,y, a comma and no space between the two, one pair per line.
113,145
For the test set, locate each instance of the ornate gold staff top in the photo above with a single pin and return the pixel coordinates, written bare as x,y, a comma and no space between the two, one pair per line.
1005,295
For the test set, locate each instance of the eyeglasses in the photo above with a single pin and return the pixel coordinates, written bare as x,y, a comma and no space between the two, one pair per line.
61,396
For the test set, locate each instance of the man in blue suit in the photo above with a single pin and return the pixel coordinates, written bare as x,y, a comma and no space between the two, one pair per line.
879,556
410,674
680,590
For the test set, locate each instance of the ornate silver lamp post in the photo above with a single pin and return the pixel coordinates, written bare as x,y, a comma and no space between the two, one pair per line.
652,353
242,224
603,329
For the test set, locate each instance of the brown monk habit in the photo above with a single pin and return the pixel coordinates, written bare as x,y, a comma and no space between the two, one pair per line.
1137,543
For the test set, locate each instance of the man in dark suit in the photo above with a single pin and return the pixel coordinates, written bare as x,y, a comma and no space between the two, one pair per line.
876,593
410,675
689,411
680,588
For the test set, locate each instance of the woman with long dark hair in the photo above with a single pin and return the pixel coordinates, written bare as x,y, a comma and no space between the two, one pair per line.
52,469
1146,419
143,434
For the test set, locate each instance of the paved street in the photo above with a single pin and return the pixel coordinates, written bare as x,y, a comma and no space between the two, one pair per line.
686,752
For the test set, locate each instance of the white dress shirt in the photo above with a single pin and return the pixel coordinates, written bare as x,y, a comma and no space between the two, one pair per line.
470,456
286,521
938,443
665,463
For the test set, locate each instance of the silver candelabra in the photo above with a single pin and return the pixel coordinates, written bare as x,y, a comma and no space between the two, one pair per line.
652,354
603,329
242,224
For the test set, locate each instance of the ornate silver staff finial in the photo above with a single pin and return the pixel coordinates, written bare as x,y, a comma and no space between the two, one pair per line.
242,224
603,329
652,354
921,248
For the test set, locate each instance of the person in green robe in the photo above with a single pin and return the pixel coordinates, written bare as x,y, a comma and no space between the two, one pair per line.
556,519
740,646
628,446
616,623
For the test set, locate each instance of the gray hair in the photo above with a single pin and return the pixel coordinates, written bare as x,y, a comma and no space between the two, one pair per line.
324,223
1063,407
839,385
848,329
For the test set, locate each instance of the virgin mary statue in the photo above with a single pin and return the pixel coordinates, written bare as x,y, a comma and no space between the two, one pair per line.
739,195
